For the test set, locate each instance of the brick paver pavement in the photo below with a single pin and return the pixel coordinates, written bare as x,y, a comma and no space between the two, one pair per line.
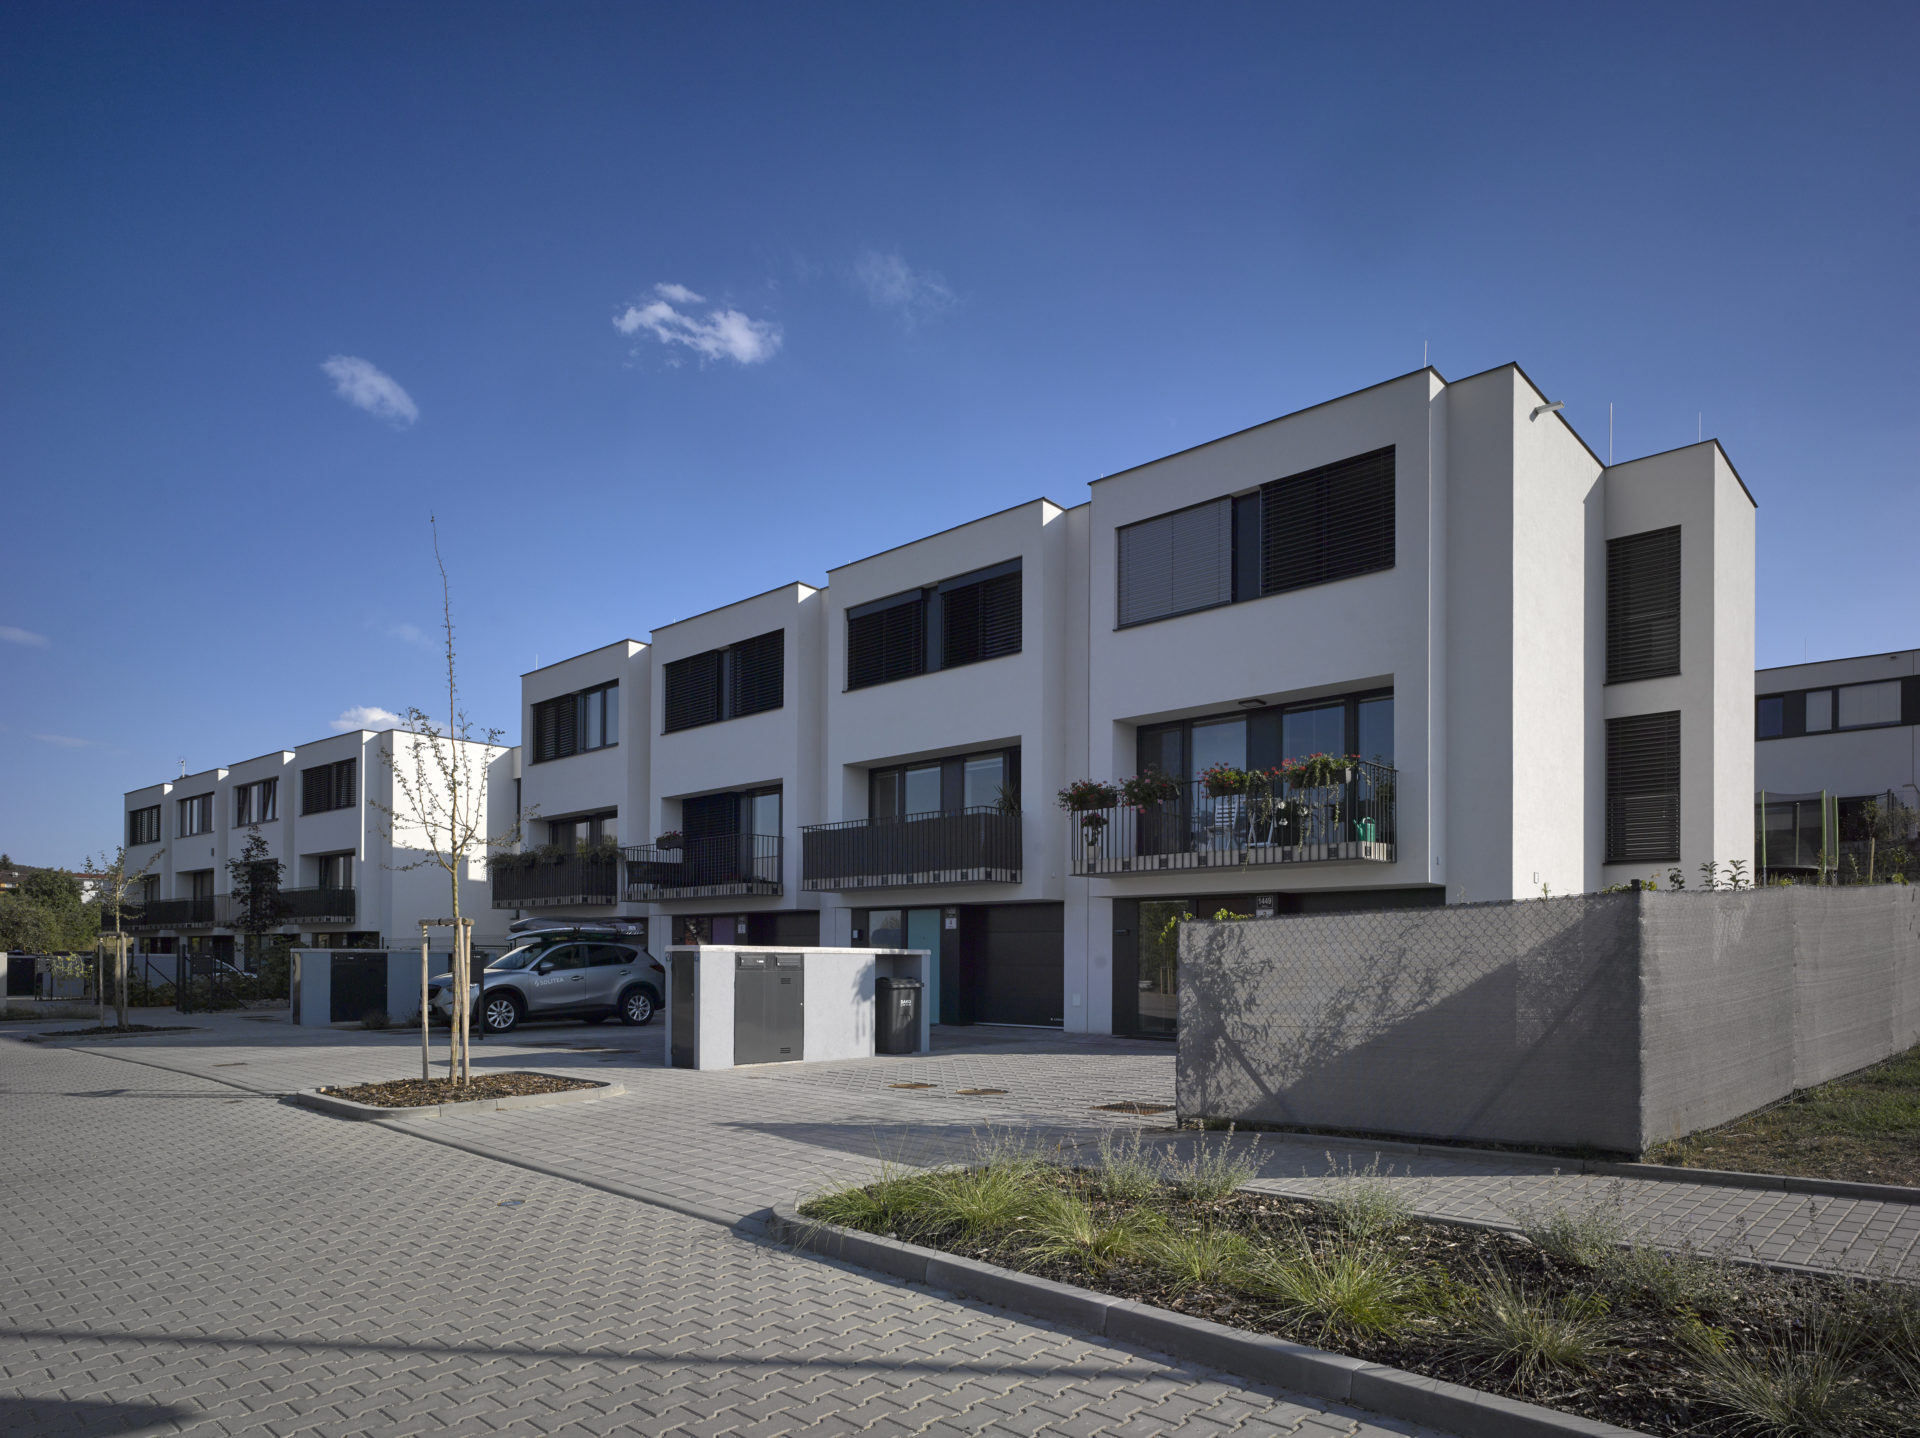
180,1255
733,1142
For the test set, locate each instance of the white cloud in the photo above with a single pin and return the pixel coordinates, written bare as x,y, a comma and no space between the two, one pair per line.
411,633
23,636
890,283
65,741
722,334
365,716
364,385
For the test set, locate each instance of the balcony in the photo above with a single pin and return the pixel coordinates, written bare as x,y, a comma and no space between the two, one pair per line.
172,914
721,866
317,906
1274,823
973,846
537,880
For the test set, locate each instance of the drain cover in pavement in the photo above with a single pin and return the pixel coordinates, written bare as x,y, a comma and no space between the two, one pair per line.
1131,1107
979,1090
909,1085
236,1064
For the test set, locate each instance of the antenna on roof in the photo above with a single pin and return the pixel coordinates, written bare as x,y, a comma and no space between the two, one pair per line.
183,766
1423,354
1699,425
1609,431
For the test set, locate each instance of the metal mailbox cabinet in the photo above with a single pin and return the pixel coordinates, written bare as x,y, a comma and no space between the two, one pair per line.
769,1010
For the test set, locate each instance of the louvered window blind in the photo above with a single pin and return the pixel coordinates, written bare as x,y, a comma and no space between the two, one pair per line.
756,674
1643,605
556,728
887,640
328,786
1643,789
1329,523
1177,563
729,683
980,620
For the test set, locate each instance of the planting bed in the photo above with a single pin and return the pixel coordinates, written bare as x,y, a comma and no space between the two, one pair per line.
113,1031
1864,1128
1571,1317
420,1093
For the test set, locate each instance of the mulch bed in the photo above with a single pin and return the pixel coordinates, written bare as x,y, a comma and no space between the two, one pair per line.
418,1093
99,1029
1642,1379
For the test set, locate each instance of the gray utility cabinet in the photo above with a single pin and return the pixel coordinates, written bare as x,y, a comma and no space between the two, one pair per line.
359,985
769,1013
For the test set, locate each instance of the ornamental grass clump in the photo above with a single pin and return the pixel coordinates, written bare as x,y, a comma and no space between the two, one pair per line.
1210,1174
1203,1257
1342,1291
1583,1235
894,1203
1126,1174
1526,1335
1363,1202
1065,1228
979,1202
1806,1383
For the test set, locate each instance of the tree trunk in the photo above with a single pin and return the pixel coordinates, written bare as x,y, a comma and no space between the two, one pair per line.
425,1026
120,975
99,982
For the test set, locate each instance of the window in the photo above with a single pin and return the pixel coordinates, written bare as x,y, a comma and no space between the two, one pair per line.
1643,789
575,723
1311,528
143,826
334,871
1643,606
196,815
1864,706
944,786
1265,738
328,786
256,803
199,884
1770,717
963,620
1819,710
745,678
587,832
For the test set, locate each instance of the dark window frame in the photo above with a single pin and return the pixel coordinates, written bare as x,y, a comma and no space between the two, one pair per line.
143,825
911,631
1658,737
1644,599
325,788
558,726
953,772
1257,565
734,681
1793,705
201,806
1350,742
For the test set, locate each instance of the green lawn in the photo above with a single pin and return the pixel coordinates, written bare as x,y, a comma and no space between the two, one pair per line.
1864,1128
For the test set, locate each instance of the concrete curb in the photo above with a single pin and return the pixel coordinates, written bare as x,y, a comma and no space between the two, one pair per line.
347,1108
164,1032
1610,1168
1254,1356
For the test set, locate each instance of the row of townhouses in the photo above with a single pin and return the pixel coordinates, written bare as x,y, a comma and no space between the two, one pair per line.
1528,671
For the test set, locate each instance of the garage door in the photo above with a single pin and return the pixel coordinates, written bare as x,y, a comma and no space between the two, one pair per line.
1017,964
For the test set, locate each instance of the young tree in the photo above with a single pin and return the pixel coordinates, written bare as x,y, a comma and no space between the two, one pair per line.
440,789
115,884
253,889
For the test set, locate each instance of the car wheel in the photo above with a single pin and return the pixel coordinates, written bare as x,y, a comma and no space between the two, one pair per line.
636,1007
500,1012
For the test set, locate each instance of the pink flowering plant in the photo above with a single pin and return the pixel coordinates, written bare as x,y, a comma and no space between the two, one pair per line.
1150,787
1083,796
1320,771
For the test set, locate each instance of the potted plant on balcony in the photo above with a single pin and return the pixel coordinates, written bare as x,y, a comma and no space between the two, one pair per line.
672,839
1321,771
1150,787
1084,796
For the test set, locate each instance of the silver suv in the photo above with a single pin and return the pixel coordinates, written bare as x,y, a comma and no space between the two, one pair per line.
565,975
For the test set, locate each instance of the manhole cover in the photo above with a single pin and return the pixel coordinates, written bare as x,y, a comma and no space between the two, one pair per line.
979,1090
1134,1107
909,1085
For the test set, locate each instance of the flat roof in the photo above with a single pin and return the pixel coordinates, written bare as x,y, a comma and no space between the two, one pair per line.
539,668
790,584
1843,659
909,543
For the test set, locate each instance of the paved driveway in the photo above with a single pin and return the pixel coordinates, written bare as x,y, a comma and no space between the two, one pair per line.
181,1254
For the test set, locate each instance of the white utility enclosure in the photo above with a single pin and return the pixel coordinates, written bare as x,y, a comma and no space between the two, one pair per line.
706,1008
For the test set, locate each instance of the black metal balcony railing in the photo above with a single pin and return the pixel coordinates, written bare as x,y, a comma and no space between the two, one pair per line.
722,866
174,914
545,882
1274,823
309,906
973,846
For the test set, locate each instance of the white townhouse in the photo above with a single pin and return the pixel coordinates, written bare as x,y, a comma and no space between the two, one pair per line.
1526,672
581,786
1834,741
350,875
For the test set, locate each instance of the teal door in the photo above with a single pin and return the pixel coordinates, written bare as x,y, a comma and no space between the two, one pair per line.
923,932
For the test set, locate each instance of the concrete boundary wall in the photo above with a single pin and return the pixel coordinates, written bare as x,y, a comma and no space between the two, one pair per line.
1602,1021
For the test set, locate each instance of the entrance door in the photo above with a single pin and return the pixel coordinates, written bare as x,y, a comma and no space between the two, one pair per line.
1158,980
923,932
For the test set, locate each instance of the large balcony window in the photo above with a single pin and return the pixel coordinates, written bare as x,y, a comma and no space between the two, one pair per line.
729,845
945,821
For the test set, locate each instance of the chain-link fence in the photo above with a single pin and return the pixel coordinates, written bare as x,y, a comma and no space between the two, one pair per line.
1604,1021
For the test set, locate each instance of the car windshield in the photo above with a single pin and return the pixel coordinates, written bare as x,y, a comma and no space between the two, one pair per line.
519,958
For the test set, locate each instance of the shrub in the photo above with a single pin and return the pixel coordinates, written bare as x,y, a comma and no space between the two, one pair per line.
375,1019
1585,1235
1125,1173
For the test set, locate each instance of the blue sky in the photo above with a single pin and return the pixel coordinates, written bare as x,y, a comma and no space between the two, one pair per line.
657,307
